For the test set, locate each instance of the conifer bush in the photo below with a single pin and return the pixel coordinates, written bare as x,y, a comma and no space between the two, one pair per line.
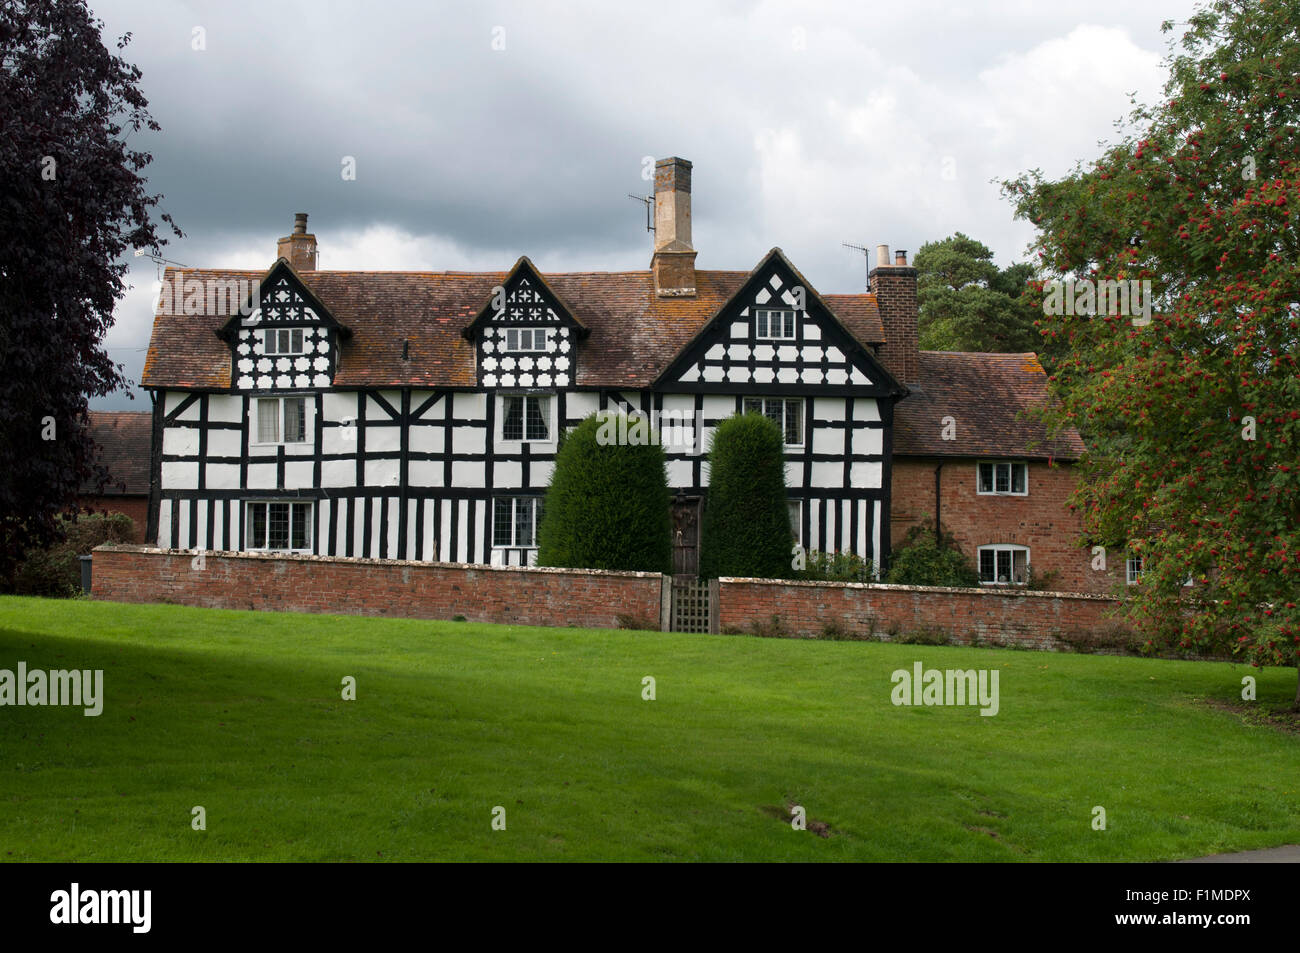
607,505
746,525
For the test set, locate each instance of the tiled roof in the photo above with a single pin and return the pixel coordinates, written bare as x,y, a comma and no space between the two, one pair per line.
124,439
634,333
985,395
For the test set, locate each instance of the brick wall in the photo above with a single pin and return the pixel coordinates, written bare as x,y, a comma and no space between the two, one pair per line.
594,599
291,583
1040,620
1041,520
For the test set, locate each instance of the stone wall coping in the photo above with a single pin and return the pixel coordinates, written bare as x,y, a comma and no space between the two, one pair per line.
927,590
358,561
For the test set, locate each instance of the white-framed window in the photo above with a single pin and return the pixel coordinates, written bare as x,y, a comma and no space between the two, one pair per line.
1003,479
1004,565
282,341
774,325
284,525
526,417
515,520
796,519
281,420
1133,570
786,411
526,339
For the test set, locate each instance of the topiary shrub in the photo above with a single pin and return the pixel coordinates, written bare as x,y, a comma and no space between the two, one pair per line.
56,570
745,530
608,505
921,561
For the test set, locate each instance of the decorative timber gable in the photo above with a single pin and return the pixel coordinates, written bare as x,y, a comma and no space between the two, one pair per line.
287,340
776,333
525,336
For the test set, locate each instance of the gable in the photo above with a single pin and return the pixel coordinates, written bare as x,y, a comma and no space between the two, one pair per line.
525,336
777,332
287,340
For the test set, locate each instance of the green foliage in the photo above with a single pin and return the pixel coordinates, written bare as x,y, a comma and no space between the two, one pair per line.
56,570
607,506
967,304
923,561
746,526
1198,198
836,567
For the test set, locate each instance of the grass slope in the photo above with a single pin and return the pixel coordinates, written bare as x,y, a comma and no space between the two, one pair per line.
241,713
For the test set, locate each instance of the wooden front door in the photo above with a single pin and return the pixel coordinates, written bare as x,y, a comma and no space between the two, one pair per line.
686,537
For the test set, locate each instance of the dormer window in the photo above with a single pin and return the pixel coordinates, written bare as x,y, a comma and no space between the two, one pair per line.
282,341
773,325
526,339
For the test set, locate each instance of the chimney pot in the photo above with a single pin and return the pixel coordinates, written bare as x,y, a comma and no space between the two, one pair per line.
882,256
900,257
300,223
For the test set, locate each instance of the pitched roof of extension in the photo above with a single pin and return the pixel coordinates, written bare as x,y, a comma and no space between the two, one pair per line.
124,438
634,333
985,395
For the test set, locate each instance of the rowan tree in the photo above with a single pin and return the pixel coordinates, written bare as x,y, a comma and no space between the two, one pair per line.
1192,420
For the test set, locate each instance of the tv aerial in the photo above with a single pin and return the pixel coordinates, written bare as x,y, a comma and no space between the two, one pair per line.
866,257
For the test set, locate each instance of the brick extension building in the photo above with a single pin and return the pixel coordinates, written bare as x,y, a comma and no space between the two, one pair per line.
414,415
124,439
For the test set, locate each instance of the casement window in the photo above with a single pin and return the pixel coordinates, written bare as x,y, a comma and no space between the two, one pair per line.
1004,565
796,519
515,520
1004,479
283,526
786,411
282,341
281,419
526,339
525,417
774,325
1133,570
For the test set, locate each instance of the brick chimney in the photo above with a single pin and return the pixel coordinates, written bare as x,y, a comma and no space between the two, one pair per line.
300,247
894,285
673,262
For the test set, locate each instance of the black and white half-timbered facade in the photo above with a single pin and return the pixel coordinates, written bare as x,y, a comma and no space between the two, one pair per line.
416,415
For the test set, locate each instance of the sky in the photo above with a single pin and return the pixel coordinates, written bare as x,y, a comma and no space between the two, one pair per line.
479,132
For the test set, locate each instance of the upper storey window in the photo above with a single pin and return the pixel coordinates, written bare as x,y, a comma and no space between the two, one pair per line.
773,325
282,341
526,339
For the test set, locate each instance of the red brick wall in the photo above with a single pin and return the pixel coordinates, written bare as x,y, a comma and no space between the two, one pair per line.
136,507
554,597
1041,620
1042,520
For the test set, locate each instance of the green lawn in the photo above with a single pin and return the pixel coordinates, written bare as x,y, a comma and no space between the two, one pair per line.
240,712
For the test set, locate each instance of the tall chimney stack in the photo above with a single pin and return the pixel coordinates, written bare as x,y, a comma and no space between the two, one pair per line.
894,284
299,249
673,262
